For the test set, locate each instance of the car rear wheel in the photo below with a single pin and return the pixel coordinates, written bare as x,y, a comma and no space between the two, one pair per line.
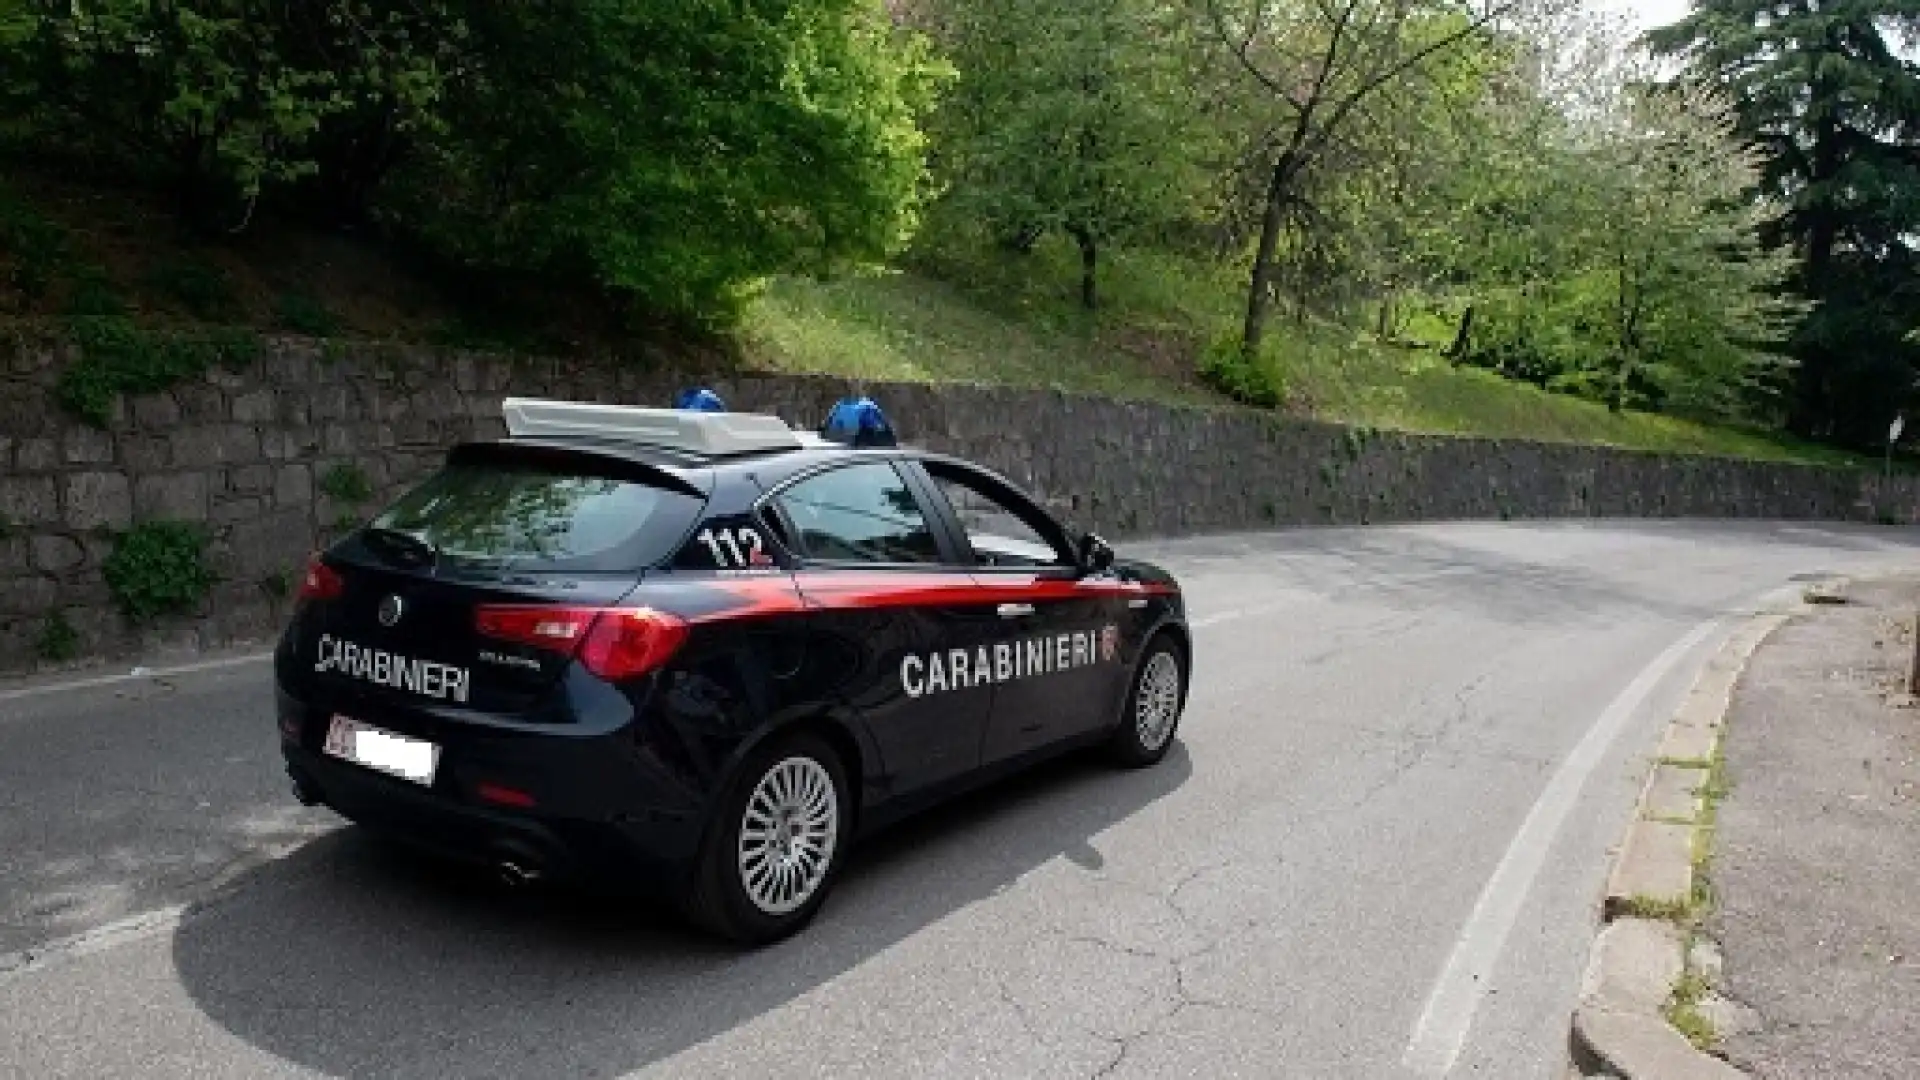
775,850
1153,705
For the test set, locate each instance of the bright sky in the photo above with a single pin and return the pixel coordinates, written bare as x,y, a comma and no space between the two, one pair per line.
1648,14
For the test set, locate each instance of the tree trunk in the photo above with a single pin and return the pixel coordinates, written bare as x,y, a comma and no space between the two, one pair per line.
1089,266
1257,292
1462,338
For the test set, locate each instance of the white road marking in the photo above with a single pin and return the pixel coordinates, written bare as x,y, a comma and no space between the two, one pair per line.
134,675
1442,1028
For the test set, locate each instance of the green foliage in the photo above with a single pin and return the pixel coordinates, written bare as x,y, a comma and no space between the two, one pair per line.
233,98
1074,117
690,150
58,641
37,250
197,284
1228,369
158,568
347,483
118,356
1827,94
301,313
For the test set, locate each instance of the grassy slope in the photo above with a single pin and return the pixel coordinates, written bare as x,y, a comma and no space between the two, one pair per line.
957,315
994,317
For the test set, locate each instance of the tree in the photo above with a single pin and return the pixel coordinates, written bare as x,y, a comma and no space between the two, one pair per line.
222,99
1322,61
676,154
1822,91
1691,301
1072,115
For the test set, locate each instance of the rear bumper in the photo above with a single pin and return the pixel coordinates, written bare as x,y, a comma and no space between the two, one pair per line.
583,826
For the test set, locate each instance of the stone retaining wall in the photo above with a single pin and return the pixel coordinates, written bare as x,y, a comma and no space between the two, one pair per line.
247,453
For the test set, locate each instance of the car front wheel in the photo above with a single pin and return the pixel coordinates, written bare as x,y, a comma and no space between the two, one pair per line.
1153,705
778,844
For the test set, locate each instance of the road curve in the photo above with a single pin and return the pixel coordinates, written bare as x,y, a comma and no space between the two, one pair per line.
1374,854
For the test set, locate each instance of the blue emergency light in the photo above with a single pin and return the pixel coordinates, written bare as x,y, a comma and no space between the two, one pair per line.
857,421
699,399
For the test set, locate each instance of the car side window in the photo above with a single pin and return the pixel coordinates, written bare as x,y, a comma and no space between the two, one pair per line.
999,534
859,513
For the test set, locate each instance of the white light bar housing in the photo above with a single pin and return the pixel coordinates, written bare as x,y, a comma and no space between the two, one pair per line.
705,433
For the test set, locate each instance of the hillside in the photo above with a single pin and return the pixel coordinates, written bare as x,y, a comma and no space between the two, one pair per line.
954,313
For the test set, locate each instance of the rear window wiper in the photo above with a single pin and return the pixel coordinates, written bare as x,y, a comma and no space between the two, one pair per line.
406,547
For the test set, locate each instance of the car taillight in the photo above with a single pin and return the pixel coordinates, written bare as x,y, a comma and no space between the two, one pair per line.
613,643
322,582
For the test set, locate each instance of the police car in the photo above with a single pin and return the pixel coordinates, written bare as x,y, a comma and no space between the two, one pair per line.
707,651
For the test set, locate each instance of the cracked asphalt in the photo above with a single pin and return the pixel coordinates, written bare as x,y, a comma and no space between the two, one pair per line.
1378,718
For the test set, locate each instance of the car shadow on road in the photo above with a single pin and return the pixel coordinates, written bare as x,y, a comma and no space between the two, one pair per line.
357,959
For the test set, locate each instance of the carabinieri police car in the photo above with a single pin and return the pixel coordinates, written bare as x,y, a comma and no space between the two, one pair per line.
707,651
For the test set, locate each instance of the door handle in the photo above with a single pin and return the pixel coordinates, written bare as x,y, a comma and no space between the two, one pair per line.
1015,611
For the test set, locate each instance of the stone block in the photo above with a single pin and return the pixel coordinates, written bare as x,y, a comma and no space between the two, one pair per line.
195,447
338,439
98,499
269,542
235,508
201,403
292,485
57,554
1673,793
1632,966
178,496
84,445
330,401
254,407
1656,863
145,453
155,411
33,594
1640,1047
36,455
239,444
289,364
29,500
250,479
1688,742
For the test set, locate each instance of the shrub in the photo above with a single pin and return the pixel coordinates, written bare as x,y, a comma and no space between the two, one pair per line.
199,285
158,568
58,641
1226,368
346,483
118,357
300,313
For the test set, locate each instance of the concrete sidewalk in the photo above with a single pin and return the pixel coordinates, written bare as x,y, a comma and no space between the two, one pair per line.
1816,865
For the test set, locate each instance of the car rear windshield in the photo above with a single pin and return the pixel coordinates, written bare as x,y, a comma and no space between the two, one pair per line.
535,516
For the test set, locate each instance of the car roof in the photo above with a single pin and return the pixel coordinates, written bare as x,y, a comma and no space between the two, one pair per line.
687,463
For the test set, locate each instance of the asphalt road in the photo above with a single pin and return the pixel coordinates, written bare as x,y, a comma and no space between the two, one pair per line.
1375,853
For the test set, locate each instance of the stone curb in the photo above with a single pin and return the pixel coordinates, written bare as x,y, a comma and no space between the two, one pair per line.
1619,1026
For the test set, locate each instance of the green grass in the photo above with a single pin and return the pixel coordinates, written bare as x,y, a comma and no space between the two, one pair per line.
1026,330
971,314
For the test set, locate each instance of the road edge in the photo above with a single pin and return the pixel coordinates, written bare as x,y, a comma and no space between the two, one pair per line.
1640,958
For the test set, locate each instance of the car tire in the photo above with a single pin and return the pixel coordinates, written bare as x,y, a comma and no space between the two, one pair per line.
772,854
1154,702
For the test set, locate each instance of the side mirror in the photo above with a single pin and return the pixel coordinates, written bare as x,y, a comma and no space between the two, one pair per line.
1095,555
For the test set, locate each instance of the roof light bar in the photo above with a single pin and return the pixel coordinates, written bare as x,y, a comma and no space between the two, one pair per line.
710,434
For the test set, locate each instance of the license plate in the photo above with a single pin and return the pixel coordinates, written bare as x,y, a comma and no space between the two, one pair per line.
395,755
